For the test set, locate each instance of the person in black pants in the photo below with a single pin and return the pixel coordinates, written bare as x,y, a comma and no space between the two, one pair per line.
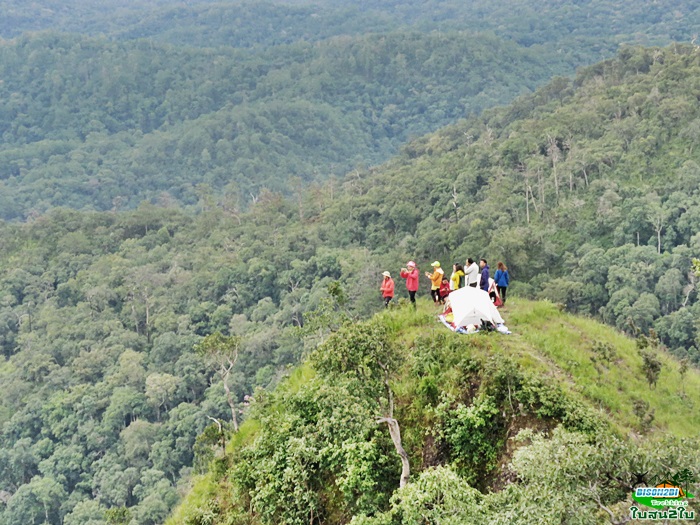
502,280
484,282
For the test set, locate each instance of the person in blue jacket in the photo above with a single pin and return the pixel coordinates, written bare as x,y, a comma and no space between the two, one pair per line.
502,280
484,282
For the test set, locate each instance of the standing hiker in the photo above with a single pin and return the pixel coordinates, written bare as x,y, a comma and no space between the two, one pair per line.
387,289
410,273
457,278
472,273
484,283
435,281
502,280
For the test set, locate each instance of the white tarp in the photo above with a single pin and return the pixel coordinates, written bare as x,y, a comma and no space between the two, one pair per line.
471,306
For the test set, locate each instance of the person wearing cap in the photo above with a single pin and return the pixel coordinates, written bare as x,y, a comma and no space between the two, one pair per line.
387,289
435,281
410,273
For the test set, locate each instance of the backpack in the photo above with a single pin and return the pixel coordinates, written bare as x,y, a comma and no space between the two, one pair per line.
487,326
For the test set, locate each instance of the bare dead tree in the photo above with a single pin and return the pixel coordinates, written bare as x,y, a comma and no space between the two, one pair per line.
554,154
221,433
688,289
568,145
394,429
593,489
222,353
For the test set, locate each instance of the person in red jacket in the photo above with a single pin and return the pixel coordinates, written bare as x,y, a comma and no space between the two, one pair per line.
444,290
387,289
411,274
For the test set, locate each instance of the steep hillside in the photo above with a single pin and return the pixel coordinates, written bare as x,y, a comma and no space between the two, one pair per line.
493,426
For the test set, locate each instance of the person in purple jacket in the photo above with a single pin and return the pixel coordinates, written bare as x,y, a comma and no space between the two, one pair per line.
484,282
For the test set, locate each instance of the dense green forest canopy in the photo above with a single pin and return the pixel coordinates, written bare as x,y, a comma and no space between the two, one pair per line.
94,124
106,123
591,28
587,189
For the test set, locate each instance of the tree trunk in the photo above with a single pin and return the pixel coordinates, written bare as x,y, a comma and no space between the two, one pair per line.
454,200
229,399
148,319
527,204
395,432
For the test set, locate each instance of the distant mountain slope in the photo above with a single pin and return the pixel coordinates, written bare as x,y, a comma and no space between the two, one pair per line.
94,124
369,94
589,28
560,411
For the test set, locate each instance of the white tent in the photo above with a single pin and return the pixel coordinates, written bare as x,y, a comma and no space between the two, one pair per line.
471,306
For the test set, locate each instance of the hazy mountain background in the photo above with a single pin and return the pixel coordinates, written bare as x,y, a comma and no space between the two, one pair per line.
147,100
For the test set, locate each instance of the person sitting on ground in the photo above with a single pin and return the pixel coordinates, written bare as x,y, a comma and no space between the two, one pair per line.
435,281
387,289
502,280
472,273
444,289
447,309
411,274
457,278
484,282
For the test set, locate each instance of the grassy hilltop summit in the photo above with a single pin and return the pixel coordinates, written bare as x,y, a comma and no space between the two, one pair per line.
553,424
589,189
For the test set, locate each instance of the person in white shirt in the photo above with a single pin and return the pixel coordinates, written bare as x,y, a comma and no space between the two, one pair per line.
471,272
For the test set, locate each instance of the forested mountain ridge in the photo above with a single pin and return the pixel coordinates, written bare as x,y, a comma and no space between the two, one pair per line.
89,123
589,28
248,109
554,424
100,312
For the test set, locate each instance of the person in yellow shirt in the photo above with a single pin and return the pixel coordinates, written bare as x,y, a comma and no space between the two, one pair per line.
457,278
435,281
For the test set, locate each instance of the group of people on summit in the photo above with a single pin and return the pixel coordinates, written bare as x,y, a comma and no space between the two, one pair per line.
471,274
